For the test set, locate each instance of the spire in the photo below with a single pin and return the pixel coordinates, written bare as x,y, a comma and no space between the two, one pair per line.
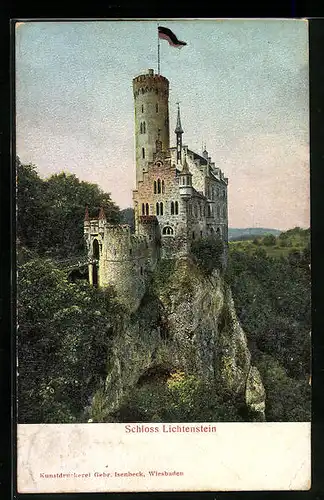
102,213
185,168
179,132
178,129
86,214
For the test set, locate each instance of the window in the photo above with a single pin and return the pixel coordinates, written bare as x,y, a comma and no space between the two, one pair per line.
158,209
167,230
144,127
141,128
142,108
147,208
193,235
95,249
224,212
163,188
154,187
141,271
143,153
130,251
176,208
159,186
209,211
172,208
200,234
161,208
157,107
143,209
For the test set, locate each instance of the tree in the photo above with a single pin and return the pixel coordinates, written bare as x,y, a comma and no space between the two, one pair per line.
51,212
269,240
30,205
64,337
208,253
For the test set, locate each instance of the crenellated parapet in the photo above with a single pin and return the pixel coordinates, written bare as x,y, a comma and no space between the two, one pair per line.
150,82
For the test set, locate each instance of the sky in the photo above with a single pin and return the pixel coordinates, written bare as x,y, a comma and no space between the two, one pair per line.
242,87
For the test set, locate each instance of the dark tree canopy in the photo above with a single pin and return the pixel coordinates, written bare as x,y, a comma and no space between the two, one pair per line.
51,212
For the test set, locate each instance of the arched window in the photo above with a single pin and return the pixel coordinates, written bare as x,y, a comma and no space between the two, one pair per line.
176,208
143,209
154,187
147,208
193,235
159,186
142,108
218,231
141,128
201,233
144,127
161,208
157,209
141,271
143,153
209,211
95,249
163,188
167,230
172,208
130,251
157,107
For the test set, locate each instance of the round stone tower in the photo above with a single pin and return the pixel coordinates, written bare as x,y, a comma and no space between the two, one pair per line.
151,96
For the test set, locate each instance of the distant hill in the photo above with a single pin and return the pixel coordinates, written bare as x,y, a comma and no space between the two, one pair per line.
235,233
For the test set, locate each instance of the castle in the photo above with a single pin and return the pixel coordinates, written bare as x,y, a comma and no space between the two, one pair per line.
180,196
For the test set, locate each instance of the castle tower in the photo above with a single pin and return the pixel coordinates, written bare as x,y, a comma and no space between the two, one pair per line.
151,100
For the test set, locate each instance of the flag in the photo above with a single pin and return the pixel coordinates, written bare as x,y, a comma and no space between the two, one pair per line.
168,35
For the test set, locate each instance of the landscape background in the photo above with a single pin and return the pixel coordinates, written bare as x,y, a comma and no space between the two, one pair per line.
67,329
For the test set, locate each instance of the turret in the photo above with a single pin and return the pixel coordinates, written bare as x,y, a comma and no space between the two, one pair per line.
185,181
151,100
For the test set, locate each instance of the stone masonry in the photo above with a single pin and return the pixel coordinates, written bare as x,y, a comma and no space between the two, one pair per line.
180,196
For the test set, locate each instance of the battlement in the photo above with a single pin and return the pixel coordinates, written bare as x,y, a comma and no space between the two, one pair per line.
150,82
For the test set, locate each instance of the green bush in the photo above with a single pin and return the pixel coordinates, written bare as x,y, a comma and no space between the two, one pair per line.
269,240
182,398
208,253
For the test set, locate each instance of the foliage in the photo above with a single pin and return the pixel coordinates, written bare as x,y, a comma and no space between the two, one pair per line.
51,212
64,332
182,398
208,253
269,240
273,303
287,399
126,216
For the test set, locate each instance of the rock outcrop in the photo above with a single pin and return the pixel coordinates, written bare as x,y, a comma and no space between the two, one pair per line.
186,321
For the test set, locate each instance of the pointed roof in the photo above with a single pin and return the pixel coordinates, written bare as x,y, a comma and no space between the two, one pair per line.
185,168
102,213
178,129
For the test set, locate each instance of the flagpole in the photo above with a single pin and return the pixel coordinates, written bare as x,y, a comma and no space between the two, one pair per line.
158,51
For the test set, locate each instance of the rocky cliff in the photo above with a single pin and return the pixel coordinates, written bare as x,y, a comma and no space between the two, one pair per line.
186,321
